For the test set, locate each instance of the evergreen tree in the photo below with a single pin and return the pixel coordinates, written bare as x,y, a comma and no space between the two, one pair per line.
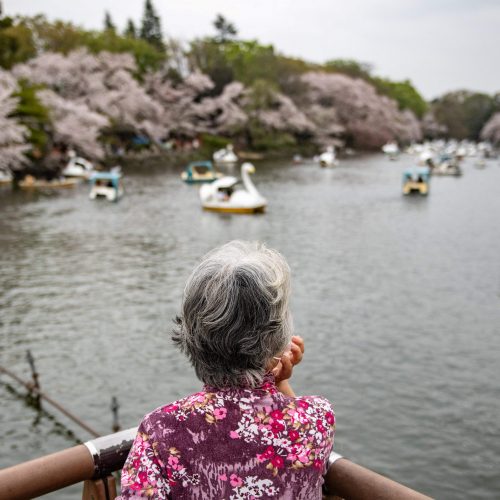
225,29
151,26
108,22
130,30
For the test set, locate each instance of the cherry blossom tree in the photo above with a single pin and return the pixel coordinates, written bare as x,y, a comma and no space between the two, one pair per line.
102,83
74,123
179,103
368,118
491,130
12,134
283,115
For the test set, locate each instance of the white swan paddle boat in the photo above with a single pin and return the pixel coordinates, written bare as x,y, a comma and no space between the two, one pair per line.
391,149
225,195
225,155
328,158
78,167
5,177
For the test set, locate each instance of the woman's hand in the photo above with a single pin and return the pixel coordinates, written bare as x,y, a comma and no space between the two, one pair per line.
283,371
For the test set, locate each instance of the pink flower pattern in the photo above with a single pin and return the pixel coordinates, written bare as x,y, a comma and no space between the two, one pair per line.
235,443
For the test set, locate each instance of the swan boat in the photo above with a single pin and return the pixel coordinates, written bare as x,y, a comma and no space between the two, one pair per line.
328,158
5,177
78,167
200,171
225,155
225,194
391,149
447,165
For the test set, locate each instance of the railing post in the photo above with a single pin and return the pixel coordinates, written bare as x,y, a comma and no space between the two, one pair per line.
99,489
34,376
114,409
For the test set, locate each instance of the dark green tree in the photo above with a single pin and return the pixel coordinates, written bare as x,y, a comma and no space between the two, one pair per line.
478,109
130,29
34,115
404,93
17,43
225,29
108,22
464,113
151,26
350,68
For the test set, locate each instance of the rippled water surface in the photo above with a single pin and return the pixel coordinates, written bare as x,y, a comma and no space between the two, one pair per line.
398,300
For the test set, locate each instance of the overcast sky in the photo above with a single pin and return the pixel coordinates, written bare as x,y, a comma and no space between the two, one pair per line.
440,45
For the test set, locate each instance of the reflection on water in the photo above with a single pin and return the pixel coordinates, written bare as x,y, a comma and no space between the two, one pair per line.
397,299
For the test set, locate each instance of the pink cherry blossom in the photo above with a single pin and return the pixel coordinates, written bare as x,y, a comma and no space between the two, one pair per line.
491,130
12,134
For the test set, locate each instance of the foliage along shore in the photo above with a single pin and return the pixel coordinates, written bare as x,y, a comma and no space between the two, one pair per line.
105,93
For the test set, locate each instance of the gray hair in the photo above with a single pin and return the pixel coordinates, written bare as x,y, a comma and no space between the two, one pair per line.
235,314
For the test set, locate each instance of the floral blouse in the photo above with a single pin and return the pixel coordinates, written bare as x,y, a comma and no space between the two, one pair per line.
233,443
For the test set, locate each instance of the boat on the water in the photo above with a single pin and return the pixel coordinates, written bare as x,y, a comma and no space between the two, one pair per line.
106,185
328,158
447,165
250,155
5,177
200,172
227,195
225,155
391,149
29,182
416,180
78,167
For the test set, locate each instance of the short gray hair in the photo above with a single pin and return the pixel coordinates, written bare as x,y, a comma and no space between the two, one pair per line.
234,316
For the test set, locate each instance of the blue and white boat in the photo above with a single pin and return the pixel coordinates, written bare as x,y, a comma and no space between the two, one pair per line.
200,172
416,180
106,185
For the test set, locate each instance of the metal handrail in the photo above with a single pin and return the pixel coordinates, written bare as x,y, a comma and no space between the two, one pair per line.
99,457
35,390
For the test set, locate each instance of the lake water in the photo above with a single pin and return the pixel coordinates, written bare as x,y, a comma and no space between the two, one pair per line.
398,300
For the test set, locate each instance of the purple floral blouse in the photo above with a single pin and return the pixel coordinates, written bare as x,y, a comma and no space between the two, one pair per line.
234,443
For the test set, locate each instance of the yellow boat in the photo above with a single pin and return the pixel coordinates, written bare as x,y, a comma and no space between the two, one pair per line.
416,179
30,182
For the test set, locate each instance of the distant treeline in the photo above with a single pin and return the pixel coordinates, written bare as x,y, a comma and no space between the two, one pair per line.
314,95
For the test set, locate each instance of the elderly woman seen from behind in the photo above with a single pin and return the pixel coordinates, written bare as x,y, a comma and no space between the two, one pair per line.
245,434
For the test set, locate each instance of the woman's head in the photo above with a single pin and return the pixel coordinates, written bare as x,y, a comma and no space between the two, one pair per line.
235,315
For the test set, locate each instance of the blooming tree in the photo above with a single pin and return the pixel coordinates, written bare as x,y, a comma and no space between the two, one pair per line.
179,103
75,124
102,83
491,130
283,115
12,134
369,118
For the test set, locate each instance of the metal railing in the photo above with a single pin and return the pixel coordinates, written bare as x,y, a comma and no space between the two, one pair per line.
94,461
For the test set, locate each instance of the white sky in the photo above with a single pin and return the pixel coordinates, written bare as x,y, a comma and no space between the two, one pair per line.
440,45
